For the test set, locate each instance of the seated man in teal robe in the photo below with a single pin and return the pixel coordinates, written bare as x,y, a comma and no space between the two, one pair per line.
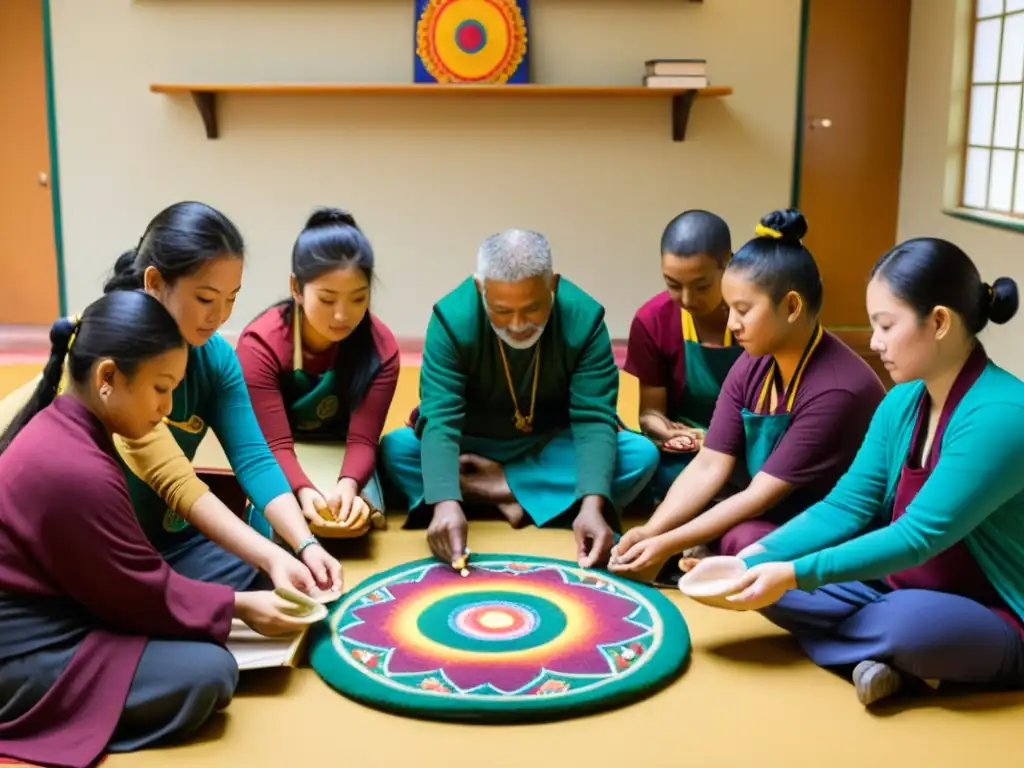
518,392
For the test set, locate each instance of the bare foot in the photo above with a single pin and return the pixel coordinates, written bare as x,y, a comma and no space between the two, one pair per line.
692,556
513,512
483,482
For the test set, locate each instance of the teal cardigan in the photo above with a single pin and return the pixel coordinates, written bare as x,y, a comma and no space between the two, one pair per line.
975,494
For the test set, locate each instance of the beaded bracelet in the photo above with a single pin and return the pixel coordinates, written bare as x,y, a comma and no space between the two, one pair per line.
305,543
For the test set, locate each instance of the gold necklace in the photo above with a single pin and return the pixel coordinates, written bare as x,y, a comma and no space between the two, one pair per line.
523,423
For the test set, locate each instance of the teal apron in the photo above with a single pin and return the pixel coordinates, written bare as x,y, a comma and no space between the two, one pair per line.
763,429
188,432
316,403
706,369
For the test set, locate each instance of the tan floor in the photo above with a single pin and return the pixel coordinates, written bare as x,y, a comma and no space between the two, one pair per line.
749,698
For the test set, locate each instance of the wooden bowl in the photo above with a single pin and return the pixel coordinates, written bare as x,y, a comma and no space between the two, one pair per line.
713,580
324,529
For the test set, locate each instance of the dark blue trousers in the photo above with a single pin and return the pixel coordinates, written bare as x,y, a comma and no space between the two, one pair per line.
929,635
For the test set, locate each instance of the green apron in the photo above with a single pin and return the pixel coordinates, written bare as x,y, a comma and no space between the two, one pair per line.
706,369
762,429
188,432
316,404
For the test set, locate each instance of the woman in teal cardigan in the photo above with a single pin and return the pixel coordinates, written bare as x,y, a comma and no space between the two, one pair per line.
912,569
190,258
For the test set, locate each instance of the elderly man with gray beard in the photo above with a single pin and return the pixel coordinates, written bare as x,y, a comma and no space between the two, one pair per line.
518,392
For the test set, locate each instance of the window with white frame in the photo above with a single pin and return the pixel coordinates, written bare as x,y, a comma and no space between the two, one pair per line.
993,173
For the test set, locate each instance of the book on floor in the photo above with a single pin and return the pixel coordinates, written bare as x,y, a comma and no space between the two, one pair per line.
254,651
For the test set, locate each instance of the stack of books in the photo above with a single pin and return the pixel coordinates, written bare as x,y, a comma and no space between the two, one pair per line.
676,73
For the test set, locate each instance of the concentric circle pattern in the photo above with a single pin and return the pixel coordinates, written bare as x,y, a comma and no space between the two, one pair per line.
471,41
519,638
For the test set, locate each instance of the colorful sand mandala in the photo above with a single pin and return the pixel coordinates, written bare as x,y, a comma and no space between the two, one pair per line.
520,638
471,41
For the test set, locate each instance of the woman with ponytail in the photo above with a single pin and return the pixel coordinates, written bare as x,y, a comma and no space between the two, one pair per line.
104,646
321,367
190,259
912,570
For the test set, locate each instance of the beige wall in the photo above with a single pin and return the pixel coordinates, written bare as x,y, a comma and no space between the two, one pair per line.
426,178
933,83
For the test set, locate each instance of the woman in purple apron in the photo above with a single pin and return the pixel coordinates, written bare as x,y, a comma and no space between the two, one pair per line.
935,594
792,411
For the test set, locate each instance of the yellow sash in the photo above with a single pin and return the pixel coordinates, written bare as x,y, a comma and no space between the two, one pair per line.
766,388
690,330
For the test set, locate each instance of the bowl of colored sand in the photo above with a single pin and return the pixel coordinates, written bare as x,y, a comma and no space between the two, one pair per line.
713,580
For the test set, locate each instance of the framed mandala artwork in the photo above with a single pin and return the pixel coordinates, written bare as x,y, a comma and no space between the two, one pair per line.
485,42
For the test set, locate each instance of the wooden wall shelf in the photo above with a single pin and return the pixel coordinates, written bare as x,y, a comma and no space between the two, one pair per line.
205,95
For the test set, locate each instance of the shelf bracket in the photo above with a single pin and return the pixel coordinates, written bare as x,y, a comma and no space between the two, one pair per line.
206,103
681,105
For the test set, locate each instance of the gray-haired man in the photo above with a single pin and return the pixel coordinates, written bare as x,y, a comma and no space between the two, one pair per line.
518,394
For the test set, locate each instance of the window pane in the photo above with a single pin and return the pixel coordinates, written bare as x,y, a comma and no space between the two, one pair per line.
986,50
1011,68
983,107
1007,116
1000,185
1014,5
989,7
976,178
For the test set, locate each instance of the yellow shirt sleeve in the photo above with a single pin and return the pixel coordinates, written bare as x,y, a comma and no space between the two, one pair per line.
16,400
158,460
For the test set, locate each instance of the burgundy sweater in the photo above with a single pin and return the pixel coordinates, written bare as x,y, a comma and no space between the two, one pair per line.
68,530
265,353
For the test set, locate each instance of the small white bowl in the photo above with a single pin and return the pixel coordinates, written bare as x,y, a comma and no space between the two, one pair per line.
325,597
713,580
306,609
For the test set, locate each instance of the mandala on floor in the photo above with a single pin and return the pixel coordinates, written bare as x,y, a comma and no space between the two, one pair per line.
516,631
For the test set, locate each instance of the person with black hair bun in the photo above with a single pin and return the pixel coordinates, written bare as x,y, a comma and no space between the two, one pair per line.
190,259
680,347
105,647
912,569
792,412
321,367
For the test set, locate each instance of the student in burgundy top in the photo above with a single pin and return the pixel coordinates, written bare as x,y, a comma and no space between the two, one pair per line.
320,366
794,409
104,646
680,348
911,570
